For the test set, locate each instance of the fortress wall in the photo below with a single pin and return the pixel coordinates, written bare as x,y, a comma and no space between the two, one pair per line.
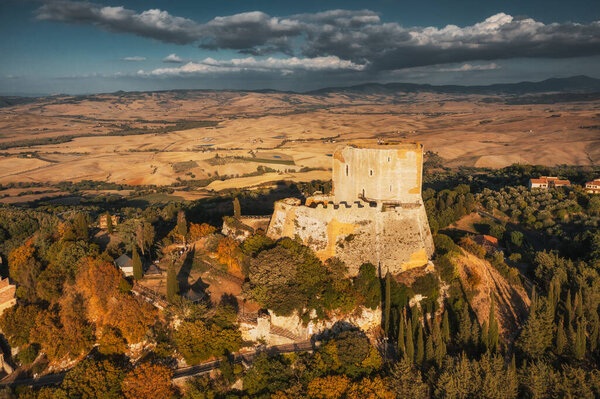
398,239
382,173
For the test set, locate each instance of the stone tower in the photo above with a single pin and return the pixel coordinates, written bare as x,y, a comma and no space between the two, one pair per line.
375,213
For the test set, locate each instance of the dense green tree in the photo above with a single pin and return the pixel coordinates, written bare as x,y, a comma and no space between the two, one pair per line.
536,336
367,286
406,382
91,379
80,225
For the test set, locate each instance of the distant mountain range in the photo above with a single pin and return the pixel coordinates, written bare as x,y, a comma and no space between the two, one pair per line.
573,84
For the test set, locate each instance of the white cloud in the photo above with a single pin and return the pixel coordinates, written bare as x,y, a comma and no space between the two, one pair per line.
134,59
280,65
355,35
173,58
470,67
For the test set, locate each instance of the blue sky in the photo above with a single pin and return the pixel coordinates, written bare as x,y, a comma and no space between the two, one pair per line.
67,46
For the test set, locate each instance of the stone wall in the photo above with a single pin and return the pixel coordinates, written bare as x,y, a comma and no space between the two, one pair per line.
397,238
378,172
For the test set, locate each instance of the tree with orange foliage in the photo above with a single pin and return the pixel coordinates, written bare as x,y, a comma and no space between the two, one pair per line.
148,381
197,231
329,387
98,280
131,316
370,389
228,253
24,269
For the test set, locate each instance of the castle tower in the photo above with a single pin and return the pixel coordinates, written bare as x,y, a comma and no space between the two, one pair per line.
375,213
388,172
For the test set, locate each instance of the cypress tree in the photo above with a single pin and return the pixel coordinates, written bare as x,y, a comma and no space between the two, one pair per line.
485,342
561,338
579,305
551,303
420,352
181,225
388,305
493,332
237,209
464,326
81,226
579,348
440,353
568,308
416,318
409,352
172,284
445,327
401,334
594,334
137,264
429,352
109,224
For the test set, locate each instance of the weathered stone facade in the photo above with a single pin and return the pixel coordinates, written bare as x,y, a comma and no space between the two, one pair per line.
375,213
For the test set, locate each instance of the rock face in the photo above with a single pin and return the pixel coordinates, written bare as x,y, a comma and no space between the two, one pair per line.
375,213
278,330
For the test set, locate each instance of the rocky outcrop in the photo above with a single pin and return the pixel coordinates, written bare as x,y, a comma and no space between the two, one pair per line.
277,330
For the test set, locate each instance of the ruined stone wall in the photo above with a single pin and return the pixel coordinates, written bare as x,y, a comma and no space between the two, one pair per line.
396,238
378,172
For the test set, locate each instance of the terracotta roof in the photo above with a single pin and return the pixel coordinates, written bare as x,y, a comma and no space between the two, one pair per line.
593,182
559,182
538,181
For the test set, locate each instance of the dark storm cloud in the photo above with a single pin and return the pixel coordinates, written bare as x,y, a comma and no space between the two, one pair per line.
155,24
357,36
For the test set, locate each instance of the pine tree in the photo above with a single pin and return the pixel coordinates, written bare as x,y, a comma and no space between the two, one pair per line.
561,338
237,209
493,333
445,328
401,335
388,305
420,352
109,223
409,352
172,284
137,264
